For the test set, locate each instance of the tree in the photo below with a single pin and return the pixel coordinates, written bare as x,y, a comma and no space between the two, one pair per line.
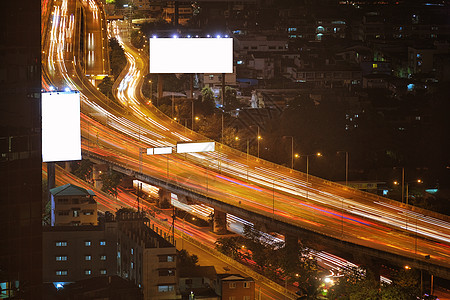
229,246
230,99
137,39
356,284
405,285
110,181
187,261
211,127
82,169
117,57
105,87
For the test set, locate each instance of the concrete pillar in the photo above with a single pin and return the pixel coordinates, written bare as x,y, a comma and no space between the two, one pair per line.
127,182
160,86
164,198
67,166
292,247
371,264
51,178
219,222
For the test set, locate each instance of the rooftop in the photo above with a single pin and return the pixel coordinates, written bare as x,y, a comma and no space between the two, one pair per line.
71,190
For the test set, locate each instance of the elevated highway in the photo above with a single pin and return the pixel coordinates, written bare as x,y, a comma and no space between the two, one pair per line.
233,181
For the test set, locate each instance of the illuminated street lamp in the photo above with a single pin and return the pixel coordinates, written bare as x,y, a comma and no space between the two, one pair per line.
292,149
407,188
346,166
258,138
307,163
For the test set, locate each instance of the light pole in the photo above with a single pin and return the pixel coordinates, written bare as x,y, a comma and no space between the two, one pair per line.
258,138
192,113
307,163
151,90
406,202
292,149
346,166
407,188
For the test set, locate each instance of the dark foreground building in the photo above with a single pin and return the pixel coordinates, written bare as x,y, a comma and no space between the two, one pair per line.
20,150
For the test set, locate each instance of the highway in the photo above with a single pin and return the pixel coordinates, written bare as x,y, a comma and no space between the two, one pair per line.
118,132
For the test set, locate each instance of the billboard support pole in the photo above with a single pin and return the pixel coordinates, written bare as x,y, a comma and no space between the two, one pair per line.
160,87
223,90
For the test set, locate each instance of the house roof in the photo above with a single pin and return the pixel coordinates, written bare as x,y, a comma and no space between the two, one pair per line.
233,277
71,190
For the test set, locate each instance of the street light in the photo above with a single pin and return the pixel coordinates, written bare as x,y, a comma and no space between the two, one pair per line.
346,166
407,188
307,163
292,149
258,137
151,89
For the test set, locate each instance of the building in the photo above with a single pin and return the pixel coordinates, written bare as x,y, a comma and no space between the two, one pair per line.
20,150
235,286
215,80
73,205
198,281
126,245
102,287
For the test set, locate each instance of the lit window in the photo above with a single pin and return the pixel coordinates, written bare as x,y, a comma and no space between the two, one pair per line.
61,272
374,66
132,265
102,257
166,288
61,244
87,257
87,243
102,243
76,213
246,284
170,258
87,272
61,258
103,272
132,251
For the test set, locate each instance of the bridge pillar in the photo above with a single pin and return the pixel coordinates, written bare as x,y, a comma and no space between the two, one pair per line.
220,222
67,166
372,265
292,246
164,198
127,182
97,171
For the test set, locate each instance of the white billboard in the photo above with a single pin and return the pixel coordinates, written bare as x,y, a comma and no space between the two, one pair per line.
61,134
159,150
191,55
195,147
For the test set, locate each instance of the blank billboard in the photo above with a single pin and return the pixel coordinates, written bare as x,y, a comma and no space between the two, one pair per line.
159,150
61,134
195,147
191,55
